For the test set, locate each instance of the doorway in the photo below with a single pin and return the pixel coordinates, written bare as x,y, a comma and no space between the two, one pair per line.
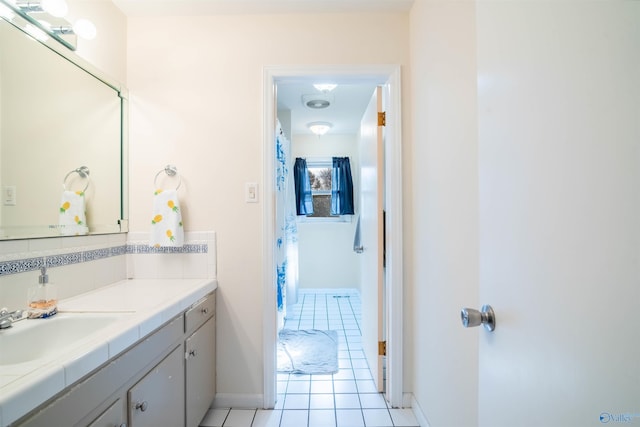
389,76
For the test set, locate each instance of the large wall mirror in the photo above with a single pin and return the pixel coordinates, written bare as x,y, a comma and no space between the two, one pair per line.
62,131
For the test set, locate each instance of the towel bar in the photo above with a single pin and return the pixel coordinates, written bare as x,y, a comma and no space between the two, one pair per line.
170,170
83,171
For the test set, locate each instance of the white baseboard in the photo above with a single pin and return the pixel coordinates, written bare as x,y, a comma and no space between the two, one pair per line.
407,400
238,400
417,411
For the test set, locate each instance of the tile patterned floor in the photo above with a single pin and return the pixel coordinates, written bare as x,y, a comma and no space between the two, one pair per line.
345,399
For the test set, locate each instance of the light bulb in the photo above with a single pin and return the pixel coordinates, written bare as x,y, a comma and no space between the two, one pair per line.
57,8
319,128
6,13
325,87
36,33
85,29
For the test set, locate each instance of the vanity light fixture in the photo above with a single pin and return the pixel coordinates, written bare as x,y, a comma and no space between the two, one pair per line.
82,28
60,29
57,8
28,6
49,15
319,128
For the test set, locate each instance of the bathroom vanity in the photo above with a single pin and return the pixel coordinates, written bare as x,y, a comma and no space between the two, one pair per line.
153,364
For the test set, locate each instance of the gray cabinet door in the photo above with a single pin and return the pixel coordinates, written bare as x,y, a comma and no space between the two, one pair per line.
158,398
200,372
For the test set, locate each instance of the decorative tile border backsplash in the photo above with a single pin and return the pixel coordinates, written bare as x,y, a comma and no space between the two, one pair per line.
59,260
21,265
136,248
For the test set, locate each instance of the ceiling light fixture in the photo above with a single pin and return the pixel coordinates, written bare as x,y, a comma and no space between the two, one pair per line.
319,128
318,103
325,87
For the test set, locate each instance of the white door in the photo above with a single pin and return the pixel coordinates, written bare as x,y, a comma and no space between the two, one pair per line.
559,171
371,226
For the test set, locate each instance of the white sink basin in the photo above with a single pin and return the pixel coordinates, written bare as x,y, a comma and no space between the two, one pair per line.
32,339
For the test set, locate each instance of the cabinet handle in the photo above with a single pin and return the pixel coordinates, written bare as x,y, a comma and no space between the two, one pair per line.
193,353
205,310
142,406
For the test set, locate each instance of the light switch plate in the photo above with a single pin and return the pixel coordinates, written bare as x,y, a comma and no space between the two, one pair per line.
9,195
251,192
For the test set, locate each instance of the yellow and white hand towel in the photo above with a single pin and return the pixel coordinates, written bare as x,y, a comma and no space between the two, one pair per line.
73,216
166,222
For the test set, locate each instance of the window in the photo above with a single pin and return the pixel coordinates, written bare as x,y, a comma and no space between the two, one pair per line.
320,180
324,189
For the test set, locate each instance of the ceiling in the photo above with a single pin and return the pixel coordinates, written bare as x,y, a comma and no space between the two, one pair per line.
347,105
203,7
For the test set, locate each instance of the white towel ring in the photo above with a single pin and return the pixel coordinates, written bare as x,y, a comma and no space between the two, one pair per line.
83,171
170,170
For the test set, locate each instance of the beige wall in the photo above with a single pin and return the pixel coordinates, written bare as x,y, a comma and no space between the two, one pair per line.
196,91
442,259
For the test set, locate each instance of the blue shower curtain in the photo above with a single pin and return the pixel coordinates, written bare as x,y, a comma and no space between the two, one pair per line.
286,228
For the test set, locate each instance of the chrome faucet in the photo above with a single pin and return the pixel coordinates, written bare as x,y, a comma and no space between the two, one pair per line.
8,317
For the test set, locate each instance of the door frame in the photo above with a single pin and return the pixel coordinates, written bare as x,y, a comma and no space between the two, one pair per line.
385,75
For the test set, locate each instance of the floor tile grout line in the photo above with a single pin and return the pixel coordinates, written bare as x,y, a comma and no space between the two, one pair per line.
333,385
343,311
352,372
226,416
349,346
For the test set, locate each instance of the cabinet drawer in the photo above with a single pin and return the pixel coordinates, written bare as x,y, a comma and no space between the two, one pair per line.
112,417
202,311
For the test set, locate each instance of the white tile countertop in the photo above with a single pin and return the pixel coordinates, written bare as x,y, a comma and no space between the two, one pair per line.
139,306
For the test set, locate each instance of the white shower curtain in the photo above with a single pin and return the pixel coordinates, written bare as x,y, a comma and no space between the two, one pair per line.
286,228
